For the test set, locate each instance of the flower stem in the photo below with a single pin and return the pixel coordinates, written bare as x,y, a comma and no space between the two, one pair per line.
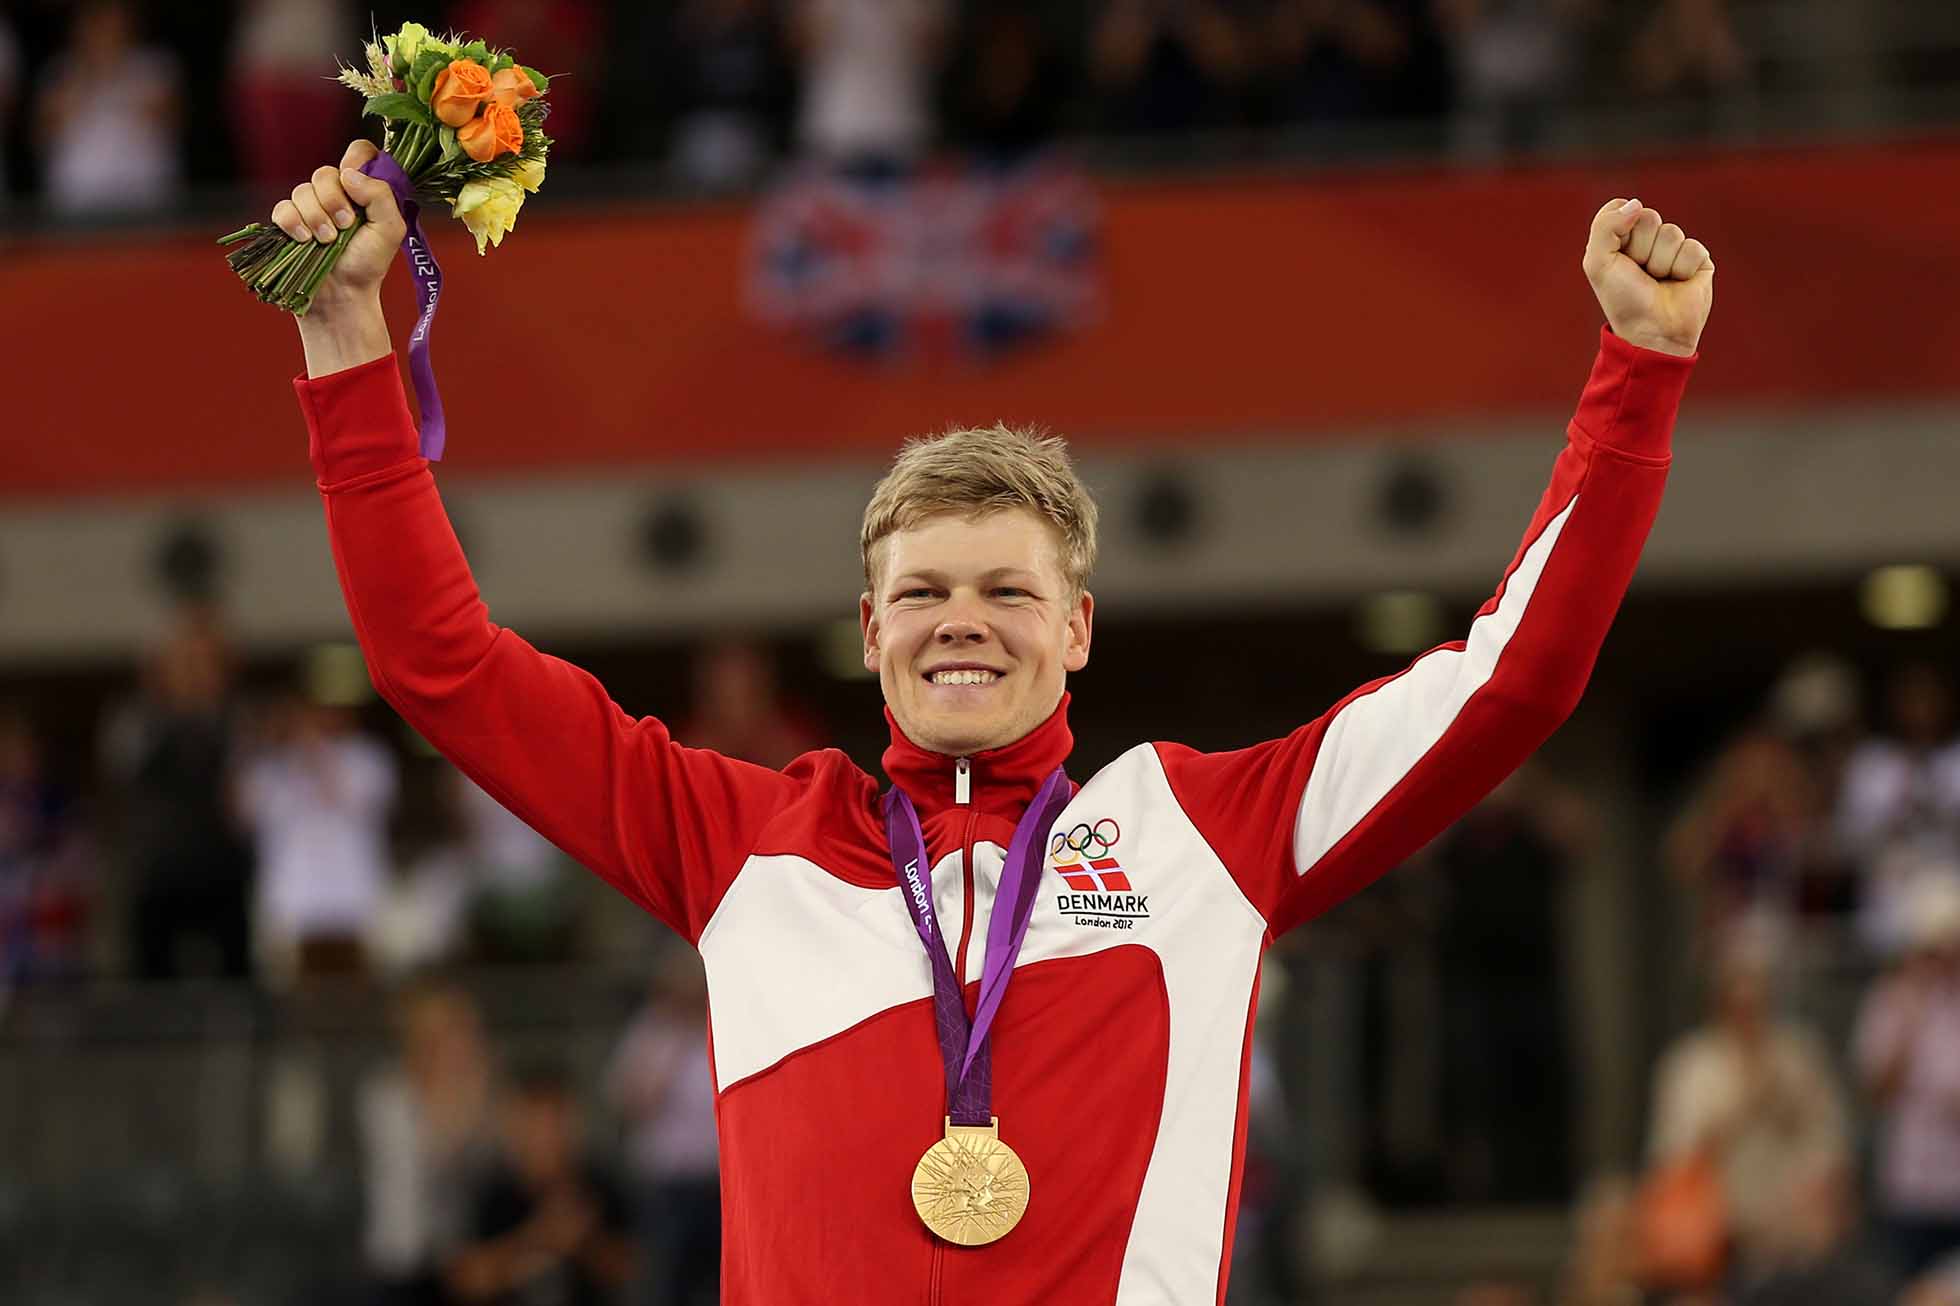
331,257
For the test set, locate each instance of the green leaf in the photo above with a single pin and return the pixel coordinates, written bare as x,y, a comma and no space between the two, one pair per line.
422,77
451,147
538,79
476,50
398,106
501,62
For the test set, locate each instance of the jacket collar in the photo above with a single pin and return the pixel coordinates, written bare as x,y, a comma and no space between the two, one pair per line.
1002,781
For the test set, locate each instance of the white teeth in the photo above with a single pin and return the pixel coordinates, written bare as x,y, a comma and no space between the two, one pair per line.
965,677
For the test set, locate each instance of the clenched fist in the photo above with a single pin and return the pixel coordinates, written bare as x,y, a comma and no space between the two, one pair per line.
1655,284
323,206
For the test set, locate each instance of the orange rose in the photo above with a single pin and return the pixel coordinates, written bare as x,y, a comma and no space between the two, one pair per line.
460,87
512,87
497,132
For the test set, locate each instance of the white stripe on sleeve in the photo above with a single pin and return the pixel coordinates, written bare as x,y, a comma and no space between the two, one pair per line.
1379,738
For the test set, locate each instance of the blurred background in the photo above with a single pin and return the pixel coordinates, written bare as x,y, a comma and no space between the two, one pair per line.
291,1013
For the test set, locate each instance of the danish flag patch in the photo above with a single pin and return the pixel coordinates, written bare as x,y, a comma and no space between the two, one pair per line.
1100,895
1083,857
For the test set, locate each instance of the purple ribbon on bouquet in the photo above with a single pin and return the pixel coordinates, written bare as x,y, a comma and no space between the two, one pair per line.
428,293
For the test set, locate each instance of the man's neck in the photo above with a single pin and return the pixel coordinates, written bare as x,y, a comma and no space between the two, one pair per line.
1000,780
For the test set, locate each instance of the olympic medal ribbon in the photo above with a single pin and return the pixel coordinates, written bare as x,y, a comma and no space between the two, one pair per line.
963,1042
428,293
1020,881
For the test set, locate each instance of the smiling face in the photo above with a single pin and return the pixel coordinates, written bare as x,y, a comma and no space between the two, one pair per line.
973,629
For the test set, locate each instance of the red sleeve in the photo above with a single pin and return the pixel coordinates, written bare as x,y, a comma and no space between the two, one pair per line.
666,825
1305,821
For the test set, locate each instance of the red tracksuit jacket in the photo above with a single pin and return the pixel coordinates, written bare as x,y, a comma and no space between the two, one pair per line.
1120,1052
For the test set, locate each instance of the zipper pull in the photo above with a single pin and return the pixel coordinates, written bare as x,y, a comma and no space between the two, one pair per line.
963,781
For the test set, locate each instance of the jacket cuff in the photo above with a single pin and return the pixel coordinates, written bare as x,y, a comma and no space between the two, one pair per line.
357,421
1631,400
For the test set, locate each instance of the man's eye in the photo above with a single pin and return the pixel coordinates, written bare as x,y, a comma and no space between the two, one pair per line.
1011,592
915,593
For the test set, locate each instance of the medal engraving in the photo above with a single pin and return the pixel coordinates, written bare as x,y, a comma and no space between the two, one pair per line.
969,1187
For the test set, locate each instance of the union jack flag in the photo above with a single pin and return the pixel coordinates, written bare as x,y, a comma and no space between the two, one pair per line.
935,262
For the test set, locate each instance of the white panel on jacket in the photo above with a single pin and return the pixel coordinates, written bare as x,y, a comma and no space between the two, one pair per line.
796,955
1207,937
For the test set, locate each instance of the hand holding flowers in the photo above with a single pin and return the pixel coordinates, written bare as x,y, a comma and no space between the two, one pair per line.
463,125
462,121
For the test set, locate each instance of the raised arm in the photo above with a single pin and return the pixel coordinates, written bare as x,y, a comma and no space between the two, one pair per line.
1305,821
667,825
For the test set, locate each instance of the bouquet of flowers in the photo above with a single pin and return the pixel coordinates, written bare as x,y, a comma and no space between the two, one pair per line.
463,125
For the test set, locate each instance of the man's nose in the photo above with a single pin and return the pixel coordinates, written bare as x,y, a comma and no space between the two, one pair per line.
960,630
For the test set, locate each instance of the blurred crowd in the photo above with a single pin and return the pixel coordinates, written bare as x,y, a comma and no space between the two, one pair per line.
235,831
1804,1131
116,106
254,835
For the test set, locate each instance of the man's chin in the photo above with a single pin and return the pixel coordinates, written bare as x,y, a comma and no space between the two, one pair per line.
961,735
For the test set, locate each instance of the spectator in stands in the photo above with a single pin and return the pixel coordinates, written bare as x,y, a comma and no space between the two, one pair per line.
1908,1056
727,72
318,799
1171,65
286,116
1823,1258
1341,61
548,1225
44,874
1746,835
739,709
426,1141
663,1087
1899,810
1752,1095
570,37
1009,84
521,907
1687,47
1514,62
10,79
868,68
1817,706
108,118
1600,1269
1507,1066
170,754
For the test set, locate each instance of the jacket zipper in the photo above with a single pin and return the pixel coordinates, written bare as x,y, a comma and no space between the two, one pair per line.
936,1295
963,796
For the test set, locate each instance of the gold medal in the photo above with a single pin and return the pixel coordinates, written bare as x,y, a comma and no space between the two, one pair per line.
969,1187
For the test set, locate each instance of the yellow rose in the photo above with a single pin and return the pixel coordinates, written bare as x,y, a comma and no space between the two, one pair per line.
529,174
407,43
489,209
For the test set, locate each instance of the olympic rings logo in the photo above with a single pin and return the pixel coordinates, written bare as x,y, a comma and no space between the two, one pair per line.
1086,840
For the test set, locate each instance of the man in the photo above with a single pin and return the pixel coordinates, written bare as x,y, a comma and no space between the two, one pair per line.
1133,910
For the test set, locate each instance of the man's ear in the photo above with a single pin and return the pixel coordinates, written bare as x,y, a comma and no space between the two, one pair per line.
1081,622
868,623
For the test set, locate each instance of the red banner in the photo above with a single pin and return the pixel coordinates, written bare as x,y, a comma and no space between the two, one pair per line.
1235,308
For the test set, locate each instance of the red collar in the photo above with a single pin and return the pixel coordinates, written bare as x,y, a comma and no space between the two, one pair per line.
1004,780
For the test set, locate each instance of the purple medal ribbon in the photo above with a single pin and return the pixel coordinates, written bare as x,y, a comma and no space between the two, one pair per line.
963,1043
428,292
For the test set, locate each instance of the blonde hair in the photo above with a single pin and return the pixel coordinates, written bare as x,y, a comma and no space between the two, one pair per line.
980,470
